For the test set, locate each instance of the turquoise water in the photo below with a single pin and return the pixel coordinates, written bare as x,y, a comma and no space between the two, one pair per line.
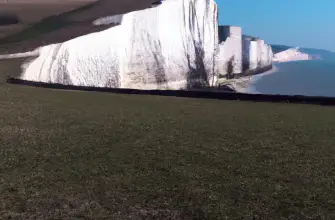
312,78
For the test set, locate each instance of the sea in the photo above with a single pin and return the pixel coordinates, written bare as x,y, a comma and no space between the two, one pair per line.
310,78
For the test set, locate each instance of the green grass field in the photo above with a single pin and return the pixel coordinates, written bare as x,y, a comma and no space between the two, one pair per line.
87,155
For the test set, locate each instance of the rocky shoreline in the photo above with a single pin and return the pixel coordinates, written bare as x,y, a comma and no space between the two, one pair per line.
244,84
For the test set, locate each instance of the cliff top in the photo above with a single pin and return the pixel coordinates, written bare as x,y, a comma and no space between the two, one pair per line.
44,23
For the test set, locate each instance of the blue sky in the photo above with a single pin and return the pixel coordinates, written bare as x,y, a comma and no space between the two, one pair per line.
304,23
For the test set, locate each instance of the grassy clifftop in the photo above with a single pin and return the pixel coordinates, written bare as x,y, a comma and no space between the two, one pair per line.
86,155
65,26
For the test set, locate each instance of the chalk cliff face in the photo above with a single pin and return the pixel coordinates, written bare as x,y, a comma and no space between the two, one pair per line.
259,54
175,45
229,58
292,54
167,47
288,54
239,53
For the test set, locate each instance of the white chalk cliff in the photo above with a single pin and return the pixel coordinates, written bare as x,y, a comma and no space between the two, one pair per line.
257,54
172,46
241,52
292,54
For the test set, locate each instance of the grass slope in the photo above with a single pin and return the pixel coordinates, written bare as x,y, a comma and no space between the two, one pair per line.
47,25
30,12
81,155
68,25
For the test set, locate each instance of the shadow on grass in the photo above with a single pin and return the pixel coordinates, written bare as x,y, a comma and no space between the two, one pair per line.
206,93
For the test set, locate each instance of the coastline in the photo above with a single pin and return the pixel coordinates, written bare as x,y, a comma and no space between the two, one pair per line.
254,79
246,84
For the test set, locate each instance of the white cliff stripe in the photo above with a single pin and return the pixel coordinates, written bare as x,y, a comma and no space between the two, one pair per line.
21,55
115,19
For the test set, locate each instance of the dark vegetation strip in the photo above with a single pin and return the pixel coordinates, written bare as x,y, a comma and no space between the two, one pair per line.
8,19
253,72
213,94
45,26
